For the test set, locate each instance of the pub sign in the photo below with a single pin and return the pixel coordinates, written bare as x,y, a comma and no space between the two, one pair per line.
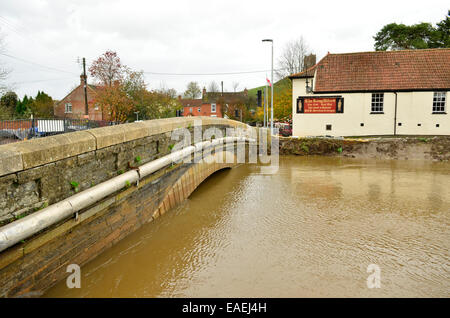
320,105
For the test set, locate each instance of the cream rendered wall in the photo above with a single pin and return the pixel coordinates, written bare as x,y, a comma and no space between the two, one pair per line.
416,108
412,108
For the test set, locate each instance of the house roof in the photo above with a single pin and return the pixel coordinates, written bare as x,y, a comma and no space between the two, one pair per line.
89,86
226,97
426,69
306,73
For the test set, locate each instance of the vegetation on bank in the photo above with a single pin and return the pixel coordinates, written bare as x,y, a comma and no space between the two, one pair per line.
399,147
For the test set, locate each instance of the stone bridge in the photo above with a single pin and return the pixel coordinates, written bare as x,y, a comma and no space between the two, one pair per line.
65,199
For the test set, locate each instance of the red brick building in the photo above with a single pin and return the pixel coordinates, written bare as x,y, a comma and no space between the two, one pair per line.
73,105
211,104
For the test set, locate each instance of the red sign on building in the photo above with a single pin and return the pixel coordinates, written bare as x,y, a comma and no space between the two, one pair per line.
320,105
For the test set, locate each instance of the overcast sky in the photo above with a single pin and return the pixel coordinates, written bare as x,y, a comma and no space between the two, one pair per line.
185,36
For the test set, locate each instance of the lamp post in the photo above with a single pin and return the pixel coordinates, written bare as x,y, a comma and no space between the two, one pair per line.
271,85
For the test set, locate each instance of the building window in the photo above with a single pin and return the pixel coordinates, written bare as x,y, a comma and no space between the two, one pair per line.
213,108
199,109
439,102
377,102
190,109
328,127
68,108
213,115
96,107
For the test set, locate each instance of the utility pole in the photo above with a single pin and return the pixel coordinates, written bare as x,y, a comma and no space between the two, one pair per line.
86,108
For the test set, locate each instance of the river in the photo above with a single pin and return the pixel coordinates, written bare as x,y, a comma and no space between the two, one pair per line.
310,230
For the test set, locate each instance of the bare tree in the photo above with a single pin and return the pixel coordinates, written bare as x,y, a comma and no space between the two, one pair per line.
213,87
235,86
192,90
108,68
292,59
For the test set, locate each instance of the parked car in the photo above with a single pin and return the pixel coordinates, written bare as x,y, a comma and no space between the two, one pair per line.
285,129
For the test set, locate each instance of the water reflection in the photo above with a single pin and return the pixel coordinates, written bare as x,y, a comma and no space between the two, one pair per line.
310,230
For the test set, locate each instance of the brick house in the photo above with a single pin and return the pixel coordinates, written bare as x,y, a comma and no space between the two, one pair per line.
73,105
211,104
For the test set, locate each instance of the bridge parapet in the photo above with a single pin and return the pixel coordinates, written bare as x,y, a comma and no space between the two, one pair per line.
39,172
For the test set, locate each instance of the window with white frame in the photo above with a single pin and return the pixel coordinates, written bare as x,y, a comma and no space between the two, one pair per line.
199,109
213,108
439,102
377,102
68,108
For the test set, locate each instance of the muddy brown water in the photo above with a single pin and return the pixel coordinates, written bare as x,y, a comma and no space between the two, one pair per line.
311,230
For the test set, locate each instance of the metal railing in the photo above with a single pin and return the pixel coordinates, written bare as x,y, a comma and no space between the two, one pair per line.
24,129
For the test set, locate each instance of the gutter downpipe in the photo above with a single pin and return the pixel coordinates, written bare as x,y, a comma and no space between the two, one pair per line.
19,230
395,115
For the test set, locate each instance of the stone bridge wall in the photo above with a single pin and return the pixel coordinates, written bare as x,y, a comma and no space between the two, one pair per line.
40,172
37,173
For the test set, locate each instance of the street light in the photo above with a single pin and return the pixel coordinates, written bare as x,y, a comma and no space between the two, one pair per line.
271,85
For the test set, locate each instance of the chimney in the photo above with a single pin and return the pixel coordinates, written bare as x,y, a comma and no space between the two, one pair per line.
309,61
179,97
82,80
204,92
245,91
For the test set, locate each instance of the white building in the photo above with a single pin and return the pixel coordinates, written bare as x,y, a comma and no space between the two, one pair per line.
374,93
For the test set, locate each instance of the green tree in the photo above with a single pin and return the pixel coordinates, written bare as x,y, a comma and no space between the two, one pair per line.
192,90
42,106
158,104
22,106
23,109
443,29
395,36
9,100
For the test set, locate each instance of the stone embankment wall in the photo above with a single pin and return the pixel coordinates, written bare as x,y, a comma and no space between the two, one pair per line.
404,148
40,172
